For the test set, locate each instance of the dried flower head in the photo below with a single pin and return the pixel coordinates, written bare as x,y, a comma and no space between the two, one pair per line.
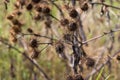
48,24
38,9
38,17
73,13
84,7
67,37
18,13
59,47
12,38
10,17
46,10
15,30
72,26
30,30
17,22
29,6
64,22
118,57
34,43
90,62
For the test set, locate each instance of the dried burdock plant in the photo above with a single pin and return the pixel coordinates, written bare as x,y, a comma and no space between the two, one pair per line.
43,28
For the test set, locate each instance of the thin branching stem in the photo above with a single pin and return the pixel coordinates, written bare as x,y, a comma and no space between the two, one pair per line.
105,5
97,37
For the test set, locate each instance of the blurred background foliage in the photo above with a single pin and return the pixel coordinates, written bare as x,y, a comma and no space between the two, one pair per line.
94,25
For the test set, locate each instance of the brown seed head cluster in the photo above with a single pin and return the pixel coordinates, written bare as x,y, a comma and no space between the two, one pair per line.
84,7
34,43
73,13
34,52
67,37
29,6
59,47
90,62
64,22
118,57
30,30
72,26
